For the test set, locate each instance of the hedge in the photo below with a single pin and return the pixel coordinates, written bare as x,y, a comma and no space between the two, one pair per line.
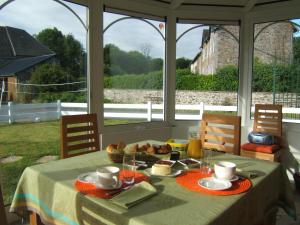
287,77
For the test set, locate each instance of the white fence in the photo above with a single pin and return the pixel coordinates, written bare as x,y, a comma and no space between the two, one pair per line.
50,111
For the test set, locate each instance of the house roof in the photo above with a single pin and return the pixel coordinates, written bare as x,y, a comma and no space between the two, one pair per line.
15,42
19,51
17,65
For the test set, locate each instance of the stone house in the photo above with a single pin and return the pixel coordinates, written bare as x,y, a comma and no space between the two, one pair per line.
220,46
19,54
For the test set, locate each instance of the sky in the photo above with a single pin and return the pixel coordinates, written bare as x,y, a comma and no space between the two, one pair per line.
131,34
34,16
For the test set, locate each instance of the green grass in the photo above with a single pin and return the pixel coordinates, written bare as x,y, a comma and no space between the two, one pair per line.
31,141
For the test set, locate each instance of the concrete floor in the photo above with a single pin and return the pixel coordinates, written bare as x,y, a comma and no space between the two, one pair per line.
284,219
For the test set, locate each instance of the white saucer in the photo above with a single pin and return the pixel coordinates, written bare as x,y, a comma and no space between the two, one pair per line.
214,184
103,187
173,173
91,178
234,178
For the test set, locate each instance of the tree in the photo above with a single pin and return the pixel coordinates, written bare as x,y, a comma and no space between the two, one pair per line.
69,51
119,62
48,73
183,63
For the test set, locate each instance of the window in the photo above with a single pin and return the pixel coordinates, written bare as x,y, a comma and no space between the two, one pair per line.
134,51
43,79
206,70
276,66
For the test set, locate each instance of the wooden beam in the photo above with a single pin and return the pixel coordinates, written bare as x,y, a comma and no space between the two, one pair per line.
176,3
249,5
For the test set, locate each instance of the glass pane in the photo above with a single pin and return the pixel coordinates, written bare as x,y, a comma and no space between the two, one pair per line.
276,66
42,76
206,70
134,51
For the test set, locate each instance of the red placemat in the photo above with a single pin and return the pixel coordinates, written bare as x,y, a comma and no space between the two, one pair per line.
91,189
190,180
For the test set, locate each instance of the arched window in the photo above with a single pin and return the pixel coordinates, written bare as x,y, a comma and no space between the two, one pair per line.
206,70
276,66
134,55
42,76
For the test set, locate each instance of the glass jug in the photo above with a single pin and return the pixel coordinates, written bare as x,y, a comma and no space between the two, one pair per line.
195,147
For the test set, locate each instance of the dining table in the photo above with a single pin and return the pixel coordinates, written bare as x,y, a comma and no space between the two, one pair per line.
49,191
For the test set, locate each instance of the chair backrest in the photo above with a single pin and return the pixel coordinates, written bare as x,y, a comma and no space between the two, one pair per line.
268,118
2,210
221,132
79,135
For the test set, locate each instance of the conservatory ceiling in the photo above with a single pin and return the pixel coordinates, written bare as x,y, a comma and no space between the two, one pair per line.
230,3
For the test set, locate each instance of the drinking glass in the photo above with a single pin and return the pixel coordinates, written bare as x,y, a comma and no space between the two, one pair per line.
129,168
207,165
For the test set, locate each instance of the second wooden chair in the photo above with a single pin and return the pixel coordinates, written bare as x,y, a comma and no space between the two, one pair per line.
267,119
79,135
221,132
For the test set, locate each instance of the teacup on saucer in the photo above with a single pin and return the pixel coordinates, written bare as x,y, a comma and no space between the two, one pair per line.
108,176
225,170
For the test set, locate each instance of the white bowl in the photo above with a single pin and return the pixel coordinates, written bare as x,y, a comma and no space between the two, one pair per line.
225,170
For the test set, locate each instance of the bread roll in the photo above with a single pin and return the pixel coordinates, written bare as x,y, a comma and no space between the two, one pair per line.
111,148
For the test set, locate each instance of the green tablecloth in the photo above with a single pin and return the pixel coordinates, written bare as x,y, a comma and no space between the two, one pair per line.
48,189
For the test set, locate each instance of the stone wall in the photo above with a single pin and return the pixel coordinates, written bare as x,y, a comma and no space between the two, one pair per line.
182,97
273,43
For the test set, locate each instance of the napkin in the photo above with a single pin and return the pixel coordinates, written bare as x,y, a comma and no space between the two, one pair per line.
138,193
247,174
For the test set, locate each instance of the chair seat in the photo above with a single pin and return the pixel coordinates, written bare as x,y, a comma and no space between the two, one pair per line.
260,148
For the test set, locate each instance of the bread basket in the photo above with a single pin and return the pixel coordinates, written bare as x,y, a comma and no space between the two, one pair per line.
116,157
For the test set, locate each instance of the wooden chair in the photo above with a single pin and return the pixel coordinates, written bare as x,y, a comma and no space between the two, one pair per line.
221,132
3,219
267,118
79,135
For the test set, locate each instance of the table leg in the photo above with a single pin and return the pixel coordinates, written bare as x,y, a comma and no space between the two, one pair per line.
35,219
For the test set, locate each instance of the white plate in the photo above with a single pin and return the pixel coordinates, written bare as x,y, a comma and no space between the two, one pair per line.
173,173
234,178
92,179
214,184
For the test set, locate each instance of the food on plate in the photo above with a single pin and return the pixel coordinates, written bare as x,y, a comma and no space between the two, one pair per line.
161,169
190,163
165,162
164,149
144,148
151,150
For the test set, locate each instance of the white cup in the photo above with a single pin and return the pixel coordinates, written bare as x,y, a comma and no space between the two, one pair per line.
225,170
108,176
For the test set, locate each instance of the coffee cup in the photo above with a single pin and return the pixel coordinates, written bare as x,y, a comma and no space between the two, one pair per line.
108,176
225,170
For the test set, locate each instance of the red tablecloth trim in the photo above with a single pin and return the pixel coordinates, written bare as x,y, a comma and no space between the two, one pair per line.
91,189
190,180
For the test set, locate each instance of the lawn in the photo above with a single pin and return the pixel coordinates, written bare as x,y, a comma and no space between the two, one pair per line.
31,141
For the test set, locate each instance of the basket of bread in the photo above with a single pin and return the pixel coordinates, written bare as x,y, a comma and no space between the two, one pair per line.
116,152
145,152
